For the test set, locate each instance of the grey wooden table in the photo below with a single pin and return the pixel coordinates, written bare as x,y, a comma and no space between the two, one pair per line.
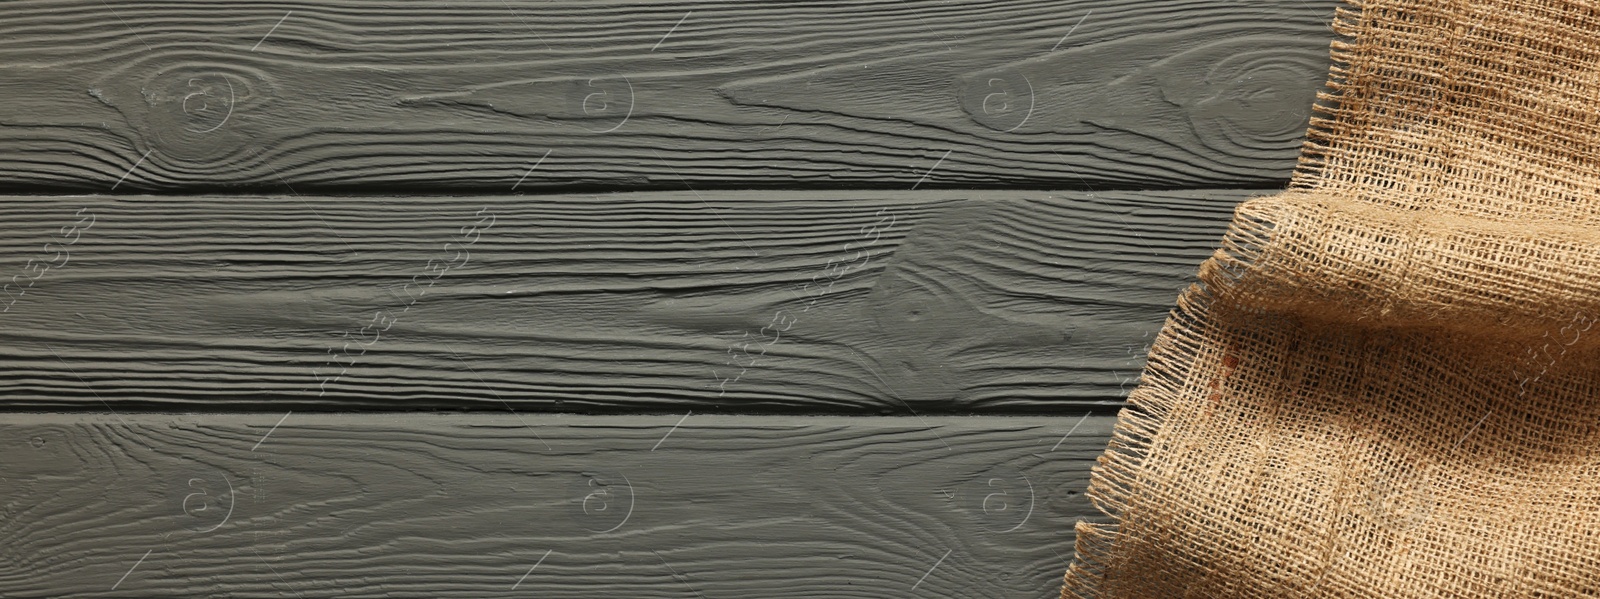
573,299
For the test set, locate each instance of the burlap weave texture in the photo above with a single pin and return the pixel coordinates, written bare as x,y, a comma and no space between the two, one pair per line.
1387,381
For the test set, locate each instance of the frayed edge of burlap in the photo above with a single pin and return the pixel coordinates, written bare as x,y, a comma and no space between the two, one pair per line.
1321,134
1114,480
1114,477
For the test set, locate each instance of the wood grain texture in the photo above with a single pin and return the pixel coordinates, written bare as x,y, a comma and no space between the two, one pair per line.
438,506
967,302
363,96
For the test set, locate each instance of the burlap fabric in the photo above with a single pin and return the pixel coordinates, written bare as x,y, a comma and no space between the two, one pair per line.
1387,382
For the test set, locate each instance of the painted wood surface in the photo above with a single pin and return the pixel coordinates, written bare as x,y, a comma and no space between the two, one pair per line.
793,302
494,96
384,505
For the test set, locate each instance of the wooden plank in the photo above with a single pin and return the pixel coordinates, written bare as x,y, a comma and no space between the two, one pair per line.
1005,301
420,505
361,95
796,302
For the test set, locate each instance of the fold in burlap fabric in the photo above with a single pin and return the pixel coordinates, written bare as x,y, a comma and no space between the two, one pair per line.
1387,381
